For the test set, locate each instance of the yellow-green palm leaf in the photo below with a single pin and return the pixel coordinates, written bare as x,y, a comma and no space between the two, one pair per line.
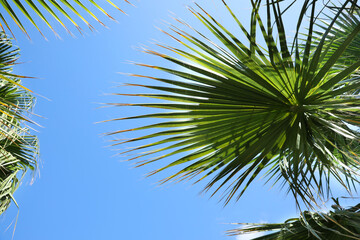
65,12
18,147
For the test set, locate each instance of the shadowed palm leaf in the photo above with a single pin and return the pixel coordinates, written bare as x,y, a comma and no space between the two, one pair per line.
58,10
339,224
344,25
18,148
237,110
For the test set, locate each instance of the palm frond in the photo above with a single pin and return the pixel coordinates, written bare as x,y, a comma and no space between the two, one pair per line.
67,13
344,25
338,224
18,147
236,109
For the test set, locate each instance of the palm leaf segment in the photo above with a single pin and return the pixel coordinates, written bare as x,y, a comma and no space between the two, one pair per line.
18,148
58,10
346,22
338,224
236,111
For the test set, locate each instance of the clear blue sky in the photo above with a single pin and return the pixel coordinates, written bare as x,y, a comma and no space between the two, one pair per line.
84,192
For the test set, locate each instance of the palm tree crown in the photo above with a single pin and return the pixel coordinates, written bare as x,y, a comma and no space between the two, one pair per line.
238,109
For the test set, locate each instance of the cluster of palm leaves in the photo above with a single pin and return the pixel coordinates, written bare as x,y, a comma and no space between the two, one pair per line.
341,223
18,148
236,110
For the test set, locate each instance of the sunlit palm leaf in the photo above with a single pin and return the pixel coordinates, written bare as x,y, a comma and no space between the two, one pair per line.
62,11
18,148
238,110
339,224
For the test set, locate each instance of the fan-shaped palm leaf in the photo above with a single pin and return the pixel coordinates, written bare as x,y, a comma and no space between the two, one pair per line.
72,11
18,148
237,110
339,224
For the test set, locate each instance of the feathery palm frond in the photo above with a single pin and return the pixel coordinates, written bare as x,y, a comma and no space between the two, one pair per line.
58,10
339,224
237,110
18,148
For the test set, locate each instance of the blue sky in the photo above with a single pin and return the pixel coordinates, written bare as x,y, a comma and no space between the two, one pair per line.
84,191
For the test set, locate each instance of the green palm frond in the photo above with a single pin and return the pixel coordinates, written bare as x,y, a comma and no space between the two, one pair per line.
63,11
235,110
338,224
18,148
344,25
